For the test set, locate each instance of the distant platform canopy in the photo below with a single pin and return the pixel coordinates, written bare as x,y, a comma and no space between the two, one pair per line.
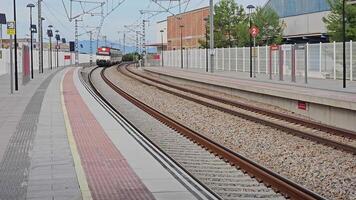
287,8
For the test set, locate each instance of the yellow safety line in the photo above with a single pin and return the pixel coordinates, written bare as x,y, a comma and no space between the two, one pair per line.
83,184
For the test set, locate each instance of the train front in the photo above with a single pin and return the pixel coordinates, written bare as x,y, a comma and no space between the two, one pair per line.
103,58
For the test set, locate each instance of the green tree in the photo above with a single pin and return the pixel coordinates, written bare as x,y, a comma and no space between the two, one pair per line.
334,21
231,26
271,28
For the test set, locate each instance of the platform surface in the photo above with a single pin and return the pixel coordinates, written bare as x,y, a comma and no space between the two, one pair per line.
317,91
58,142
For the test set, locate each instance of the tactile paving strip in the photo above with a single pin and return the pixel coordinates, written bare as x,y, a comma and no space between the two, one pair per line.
108,173
14,167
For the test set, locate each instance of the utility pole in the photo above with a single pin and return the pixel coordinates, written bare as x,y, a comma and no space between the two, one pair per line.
211,35
91,48
76,44
137,41
144,41
15,42
40,37
124,42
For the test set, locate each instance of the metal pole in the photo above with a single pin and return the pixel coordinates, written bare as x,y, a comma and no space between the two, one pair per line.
250,46
144,41
181,46
50,52
40,37
254,57
57,47
15,44
211,35
124,41
206,49
11,67
91,48
76,44
162,48
31,42
343,45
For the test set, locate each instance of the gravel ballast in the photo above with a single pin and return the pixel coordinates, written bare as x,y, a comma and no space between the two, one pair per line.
329,172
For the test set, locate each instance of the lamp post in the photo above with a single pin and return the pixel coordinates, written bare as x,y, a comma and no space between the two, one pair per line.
58,37
40,27
50,35
30,5
206,44
250,7
181,46
162,46
15,44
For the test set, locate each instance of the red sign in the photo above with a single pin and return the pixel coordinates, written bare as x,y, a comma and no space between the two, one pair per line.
156,57
66,57
254,31
302,105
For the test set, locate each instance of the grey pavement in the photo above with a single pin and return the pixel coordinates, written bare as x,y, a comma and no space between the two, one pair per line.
19,117
52,172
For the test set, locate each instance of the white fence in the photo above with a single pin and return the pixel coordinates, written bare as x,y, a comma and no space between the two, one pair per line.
324,60
5,59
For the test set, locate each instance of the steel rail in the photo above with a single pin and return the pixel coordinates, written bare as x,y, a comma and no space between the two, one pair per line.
286,117
279,183
288,129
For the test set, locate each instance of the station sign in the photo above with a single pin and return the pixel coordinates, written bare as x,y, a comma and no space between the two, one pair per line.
66,57
11,28
254,31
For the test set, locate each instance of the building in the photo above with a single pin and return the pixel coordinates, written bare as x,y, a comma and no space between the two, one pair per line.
160,36
303,19
189,25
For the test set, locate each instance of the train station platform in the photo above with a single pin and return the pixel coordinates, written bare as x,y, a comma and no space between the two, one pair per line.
58,142
322,100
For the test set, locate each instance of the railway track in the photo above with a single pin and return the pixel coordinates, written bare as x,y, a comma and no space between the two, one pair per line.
222,170
297,126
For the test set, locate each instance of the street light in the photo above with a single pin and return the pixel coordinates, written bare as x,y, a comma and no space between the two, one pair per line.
250,7
15,44
181,46
343,45
50,35
58,37
40,27
206,43
162,46
30,5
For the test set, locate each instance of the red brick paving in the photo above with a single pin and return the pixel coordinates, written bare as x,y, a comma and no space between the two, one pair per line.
108,174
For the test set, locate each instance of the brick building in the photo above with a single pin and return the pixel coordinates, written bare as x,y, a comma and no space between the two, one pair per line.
193,28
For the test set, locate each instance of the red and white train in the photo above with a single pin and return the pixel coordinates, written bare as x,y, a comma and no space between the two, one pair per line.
108,56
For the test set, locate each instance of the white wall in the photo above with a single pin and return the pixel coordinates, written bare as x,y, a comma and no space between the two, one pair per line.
161,26
307,24
5,60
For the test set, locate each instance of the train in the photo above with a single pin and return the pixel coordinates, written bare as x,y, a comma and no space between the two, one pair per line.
108,56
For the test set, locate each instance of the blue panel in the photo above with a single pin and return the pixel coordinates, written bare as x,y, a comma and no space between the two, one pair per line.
286,8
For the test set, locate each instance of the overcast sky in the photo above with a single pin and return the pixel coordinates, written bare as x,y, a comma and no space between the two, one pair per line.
126,14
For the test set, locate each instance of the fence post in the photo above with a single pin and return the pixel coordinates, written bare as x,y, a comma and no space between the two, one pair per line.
223,59
236,49
320,49
351,61
266,59
229,59
334,60
258,60
306,63
243,59
216,59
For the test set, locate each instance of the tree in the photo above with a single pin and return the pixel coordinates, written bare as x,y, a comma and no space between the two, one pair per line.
334,21
271,28
231,26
